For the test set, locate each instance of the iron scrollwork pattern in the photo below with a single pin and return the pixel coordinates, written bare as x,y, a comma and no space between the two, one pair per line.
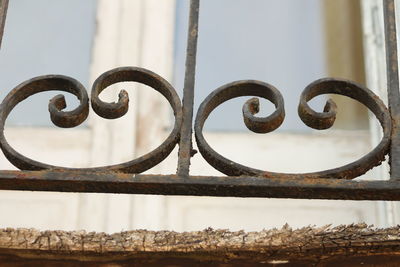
241,181
68,119
313,119
316,120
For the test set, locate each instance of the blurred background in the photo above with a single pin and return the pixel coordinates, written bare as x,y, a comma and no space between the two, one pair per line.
287,43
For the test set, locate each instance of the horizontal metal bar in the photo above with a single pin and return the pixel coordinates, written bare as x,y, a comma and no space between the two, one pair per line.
103,182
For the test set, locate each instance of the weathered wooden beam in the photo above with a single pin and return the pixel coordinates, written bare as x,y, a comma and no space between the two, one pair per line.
344,245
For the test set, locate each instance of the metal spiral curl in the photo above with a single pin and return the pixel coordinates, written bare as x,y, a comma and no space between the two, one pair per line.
78,115
316,120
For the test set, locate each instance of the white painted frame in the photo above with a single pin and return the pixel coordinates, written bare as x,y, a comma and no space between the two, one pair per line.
129,33
140,33
375,66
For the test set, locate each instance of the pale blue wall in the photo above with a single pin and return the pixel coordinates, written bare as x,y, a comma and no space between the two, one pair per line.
45,37
276,41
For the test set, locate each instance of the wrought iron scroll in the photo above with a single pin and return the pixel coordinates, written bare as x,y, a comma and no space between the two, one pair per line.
316,120
241,181
78,115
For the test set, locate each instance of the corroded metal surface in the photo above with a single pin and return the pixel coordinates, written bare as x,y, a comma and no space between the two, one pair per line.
78,115
185,146
317,120
393,85
242,181
244,186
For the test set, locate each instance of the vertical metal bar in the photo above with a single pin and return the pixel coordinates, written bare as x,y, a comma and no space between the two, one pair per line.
3,13
393,85
185,144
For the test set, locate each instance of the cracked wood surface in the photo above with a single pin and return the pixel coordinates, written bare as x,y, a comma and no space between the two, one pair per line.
325,246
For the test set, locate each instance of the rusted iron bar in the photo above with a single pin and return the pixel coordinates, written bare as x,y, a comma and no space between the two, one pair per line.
244,181
185,144
3,14
393,85
108,182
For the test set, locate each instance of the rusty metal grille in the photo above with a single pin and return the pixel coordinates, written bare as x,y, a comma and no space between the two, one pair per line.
240,181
